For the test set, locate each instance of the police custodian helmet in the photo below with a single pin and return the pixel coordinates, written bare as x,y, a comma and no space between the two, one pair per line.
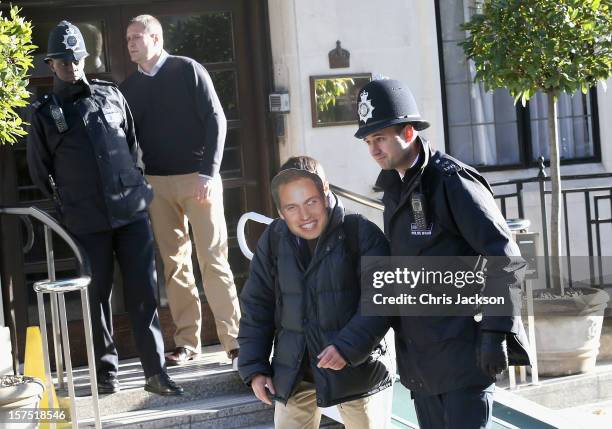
66,42
386,102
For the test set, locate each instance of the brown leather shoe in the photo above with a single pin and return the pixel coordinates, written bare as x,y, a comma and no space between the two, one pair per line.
180,356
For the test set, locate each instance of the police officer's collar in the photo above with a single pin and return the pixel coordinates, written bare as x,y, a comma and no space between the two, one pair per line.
68,91
388,178
414,163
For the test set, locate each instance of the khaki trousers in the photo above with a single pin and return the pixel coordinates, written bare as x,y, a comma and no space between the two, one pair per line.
301,411
172,210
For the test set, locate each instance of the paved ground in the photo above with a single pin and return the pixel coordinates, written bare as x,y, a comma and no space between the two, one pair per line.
594,416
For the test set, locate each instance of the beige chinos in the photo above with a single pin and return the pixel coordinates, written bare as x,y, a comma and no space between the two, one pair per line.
172,210
301,411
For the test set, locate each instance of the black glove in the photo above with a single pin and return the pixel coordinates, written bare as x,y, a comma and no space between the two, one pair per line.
492,354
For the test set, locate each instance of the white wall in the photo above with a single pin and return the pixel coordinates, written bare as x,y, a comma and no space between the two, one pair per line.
395,38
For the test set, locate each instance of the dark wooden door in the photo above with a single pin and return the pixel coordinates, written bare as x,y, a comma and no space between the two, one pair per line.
228,38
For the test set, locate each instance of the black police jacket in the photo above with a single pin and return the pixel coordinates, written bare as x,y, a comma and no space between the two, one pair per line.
437,354
89,148
299,309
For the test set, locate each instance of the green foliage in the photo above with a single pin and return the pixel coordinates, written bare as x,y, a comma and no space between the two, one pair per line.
328,90
15,60
550,46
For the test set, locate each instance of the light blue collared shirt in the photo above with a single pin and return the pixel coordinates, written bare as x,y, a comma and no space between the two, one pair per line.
160,62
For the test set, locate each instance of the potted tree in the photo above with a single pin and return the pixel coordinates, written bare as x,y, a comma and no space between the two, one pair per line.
19,392
550,47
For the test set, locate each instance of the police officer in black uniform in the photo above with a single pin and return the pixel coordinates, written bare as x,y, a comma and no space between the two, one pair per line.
438,206
82,151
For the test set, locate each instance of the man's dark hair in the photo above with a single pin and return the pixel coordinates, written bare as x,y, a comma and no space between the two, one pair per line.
291,175
307,163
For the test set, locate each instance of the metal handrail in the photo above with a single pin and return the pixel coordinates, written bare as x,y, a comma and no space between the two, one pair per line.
240,234
82,262
358,198
56,289
547,179
377,203
513,224
257,217
592,224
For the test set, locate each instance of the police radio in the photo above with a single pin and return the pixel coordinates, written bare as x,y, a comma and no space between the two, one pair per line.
417,201
58,117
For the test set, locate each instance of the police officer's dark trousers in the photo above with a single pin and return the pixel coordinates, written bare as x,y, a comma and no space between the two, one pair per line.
465,408
133,246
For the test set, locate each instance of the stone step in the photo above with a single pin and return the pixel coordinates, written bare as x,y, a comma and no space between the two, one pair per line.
221,412
215,398
238,411
132,396
325,424
264,426
206,377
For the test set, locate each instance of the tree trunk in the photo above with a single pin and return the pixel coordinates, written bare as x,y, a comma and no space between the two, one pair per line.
555,205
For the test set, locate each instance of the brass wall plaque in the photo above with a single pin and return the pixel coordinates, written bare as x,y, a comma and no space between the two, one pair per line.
333,98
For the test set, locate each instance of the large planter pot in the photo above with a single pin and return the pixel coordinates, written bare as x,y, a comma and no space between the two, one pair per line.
605,350
568,330
17,392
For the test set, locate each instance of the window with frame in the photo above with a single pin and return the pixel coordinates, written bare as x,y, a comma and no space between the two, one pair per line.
486,129
94,35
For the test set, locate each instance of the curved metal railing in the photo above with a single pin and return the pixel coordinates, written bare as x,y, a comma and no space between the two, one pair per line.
240,234
50,223
358,198
56,289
